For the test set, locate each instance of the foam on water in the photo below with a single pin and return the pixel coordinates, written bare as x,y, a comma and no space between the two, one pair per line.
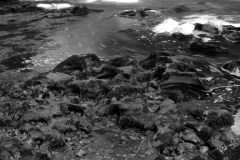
186,25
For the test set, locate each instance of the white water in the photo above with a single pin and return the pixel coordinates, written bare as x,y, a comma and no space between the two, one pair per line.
186,25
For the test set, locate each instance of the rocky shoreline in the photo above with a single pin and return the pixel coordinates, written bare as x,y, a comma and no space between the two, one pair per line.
160,108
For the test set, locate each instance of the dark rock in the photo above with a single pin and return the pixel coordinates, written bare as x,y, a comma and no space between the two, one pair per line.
122,61
180,9
231,67
72,63
152,60
80,11
92,60
56,145
206,28
108,72
195,45
137,13
215,155
233,37
140,121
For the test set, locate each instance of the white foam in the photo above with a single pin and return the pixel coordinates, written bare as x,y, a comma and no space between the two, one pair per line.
186,25
55,6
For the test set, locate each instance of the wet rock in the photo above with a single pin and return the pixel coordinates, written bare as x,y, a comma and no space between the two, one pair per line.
232,67
92,60
72,63
195,45
108,72
180,9
66,108
137,13
206,28
190,136
152,60
80,11
122,61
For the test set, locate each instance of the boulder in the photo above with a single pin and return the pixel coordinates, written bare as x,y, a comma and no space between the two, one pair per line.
216,143
80,11
72,63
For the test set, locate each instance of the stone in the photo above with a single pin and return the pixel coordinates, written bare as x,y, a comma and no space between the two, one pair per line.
166,105
206,28
185,146
152,60
190,136
80,11
80,153
215,143
200,46
233,37
72,63
122,61
204,149
180,9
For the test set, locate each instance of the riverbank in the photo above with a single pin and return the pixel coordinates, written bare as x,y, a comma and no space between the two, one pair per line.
161,96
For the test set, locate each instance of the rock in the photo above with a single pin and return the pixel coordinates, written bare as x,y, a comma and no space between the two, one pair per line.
195,45
166,106
137,13
152,60
56,144
185,146
58,77
190,136
206,28
153,84
233,37
80,153
72,63
140,121
232,67
215,143
180,9
108,72
122,61
80,11
204,149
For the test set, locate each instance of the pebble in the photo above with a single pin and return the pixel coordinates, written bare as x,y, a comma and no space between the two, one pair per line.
204,149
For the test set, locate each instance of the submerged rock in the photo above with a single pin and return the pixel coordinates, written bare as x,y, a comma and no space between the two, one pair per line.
199,46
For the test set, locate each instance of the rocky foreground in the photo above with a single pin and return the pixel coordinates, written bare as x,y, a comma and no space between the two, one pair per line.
117,109
163,107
